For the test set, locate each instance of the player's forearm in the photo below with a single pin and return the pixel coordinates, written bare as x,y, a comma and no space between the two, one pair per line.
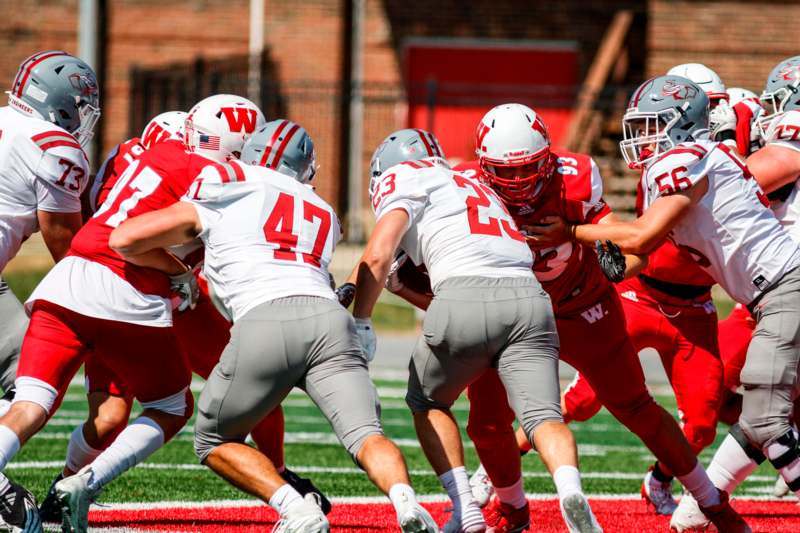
158,229
372,271
416,299
630,237
158,259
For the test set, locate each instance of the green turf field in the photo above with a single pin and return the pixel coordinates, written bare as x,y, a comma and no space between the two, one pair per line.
612,460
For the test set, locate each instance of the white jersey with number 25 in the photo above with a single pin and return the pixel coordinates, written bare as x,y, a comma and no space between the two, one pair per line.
457,226
266,237
731,231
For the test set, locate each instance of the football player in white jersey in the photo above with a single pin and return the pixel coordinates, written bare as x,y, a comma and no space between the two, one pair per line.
488,310
776,168
704,198
53,106
269,239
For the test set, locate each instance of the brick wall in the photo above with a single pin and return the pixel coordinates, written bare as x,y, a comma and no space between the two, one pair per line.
741,41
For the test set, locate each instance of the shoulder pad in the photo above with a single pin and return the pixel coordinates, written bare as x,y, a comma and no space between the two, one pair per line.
677,170
581,176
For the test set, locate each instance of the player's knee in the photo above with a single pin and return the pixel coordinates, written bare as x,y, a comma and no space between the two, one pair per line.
641,414
765,414
762,429
485,434
581,411
179,404
750,450
353,440
36,391
699,436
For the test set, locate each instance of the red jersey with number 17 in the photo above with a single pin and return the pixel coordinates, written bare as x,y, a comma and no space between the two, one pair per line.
569,272
156,180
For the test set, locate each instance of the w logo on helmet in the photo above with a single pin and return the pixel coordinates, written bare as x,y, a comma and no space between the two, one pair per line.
678,91
240,119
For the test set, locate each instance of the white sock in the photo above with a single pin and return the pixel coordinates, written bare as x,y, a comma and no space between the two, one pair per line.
79,453
465,508
135,444
730,465
700,486
568,481
9,445
513,495
399,494
285,498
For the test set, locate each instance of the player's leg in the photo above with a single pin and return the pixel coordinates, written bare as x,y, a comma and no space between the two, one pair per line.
133,351
14,323
735,333
51,354
528,368
603,353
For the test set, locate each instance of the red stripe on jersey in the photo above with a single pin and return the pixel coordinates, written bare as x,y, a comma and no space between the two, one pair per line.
32,64
272,141
53,144
425,141
54,133
237,170
412,164
223,174
284,144
697,150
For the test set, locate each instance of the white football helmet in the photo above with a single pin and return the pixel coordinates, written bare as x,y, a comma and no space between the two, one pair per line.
218,126
704,77
737,94
514,136
166,126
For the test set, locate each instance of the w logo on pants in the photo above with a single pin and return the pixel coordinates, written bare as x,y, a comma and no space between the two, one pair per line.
593,313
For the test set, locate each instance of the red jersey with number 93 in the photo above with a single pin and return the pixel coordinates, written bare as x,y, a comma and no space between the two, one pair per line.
568,272
156,180
266,236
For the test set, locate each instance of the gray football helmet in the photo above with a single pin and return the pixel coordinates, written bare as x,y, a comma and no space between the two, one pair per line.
284,147
58,88
404,145
782,91
662,112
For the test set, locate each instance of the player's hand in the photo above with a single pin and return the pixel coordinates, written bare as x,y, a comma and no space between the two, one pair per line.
185,291
612,260
345,294
550,231
393,283
722,121
366,334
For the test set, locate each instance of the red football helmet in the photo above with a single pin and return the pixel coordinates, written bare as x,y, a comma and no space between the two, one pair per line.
513,150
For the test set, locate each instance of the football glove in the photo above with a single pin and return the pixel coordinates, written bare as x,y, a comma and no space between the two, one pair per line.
366,334
393,283
185,291
612,260
345,294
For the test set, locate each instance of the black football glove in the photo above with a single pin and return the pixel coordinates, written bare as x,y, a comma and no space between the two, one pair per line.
612,260
345,294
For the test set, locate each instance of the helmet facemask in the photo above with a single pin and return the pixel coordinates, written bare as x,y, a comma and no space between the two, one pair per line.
646,135
518,181
88,115
774,104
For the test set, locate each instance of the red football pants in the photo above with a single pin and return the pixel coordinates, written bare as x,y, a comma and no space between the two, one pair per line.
595,342
685,337
734,339
57,341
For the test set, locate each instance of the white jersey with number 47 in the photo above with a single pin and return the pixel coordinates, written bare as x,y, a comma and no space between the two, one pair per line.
784,131
266,237
457,226
42,168
731,231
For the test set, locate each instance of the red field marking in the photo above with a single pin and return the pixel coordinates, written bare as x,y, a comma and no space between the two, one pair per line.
614,515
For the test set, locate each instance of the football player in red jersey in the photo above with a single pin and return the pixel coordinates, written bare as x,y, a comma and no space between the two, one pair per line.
120,310
534,182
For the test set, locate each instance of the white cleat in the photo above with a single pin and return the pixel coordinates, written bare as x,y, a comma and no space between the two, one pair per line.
413,518
688,516
578,515
482,488
75,497
781,489
305,517
659,495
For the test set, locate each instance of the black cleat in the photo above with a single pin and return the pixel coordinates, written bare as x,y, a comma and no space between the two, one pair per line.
18,510
50,509
305,486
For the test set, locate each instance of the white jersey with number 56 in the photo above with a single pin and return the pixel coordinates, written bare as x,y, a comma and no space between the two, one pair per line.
731,231
266,237
457,226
